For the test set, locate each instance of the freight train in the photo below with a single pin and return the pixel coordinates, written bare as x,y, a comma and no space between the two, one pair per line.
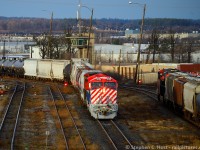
180,91
97,90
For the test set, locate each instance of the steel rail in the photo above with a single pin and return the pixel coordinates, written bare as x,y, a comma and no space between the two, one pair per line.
155,98
121,133
72,119
18,108
17,118
141,90
113,144
6,111
67,147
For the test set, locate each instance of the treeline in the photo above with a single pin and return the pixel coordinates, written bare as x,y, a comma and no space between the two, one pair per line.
41,25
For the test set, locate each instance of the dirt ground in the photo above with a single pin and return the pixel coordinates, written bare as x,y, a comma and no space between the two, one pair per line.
152,125
147,123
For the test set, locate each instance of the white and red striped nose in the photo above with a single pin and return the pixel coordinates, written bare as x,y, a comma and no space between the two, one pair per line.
103,96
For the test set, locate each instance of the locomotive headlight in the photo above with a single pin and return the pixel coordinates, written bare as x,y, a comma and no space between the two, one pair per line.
103,90
89,85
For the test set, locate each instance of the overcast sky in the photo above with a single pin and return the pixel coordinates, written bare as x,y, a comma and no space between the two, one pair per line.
187,9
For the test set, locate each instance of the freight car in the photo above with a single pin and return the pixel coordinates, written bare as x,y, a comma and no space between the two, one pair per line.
34,68
180,91
12,67
45,69
97,90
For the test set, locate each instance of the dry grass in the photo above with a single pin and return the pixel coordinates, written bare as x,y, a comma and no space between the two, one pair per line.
75,143
63,113
60,103
3,102
33,103
68,90
144,117
90,145
68,123
35,89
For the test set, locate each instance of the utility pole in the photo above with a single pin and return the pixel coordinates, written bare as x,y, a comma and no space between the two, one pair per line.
100,56
139,46
50,33
4,49
79,17
119,61
126,57
88,46
112,58
95,59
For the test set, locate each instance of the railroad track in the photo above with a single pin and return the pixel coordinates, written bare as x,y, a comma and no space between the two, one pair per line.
11,116
66,120
143,90
153,95
114,134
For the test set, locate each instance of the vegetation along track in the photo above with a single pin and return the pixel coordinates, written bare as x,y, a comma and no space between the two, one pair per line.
114,134
10,120
71,134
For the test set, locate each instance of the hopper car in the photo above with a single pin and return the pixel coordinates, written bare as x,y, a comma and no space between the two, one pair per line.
181,92
97,90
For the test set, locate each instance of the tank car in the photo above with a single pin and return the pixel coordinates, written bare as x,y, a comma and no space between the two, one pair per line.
12,67
97,90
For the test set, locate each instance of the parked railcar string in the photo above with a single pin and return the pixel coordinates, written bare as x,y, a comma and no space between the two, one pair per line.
181,91
97,90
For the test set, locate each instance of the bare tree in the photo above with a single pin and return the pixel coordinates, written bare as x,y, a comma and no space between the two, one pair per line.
172,43
42,43
154,43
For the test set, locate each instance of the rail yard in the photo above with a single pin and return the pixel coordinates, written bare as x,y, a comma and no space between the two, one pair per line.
48,115
68,104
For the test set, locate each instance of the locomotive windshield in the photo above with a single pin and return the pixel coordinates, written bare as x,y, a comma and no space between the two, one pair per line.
96,84
110,84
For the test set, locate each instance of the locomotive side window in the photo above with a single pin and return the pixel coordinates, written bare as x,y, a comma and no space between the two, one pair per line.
96,84
110,84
